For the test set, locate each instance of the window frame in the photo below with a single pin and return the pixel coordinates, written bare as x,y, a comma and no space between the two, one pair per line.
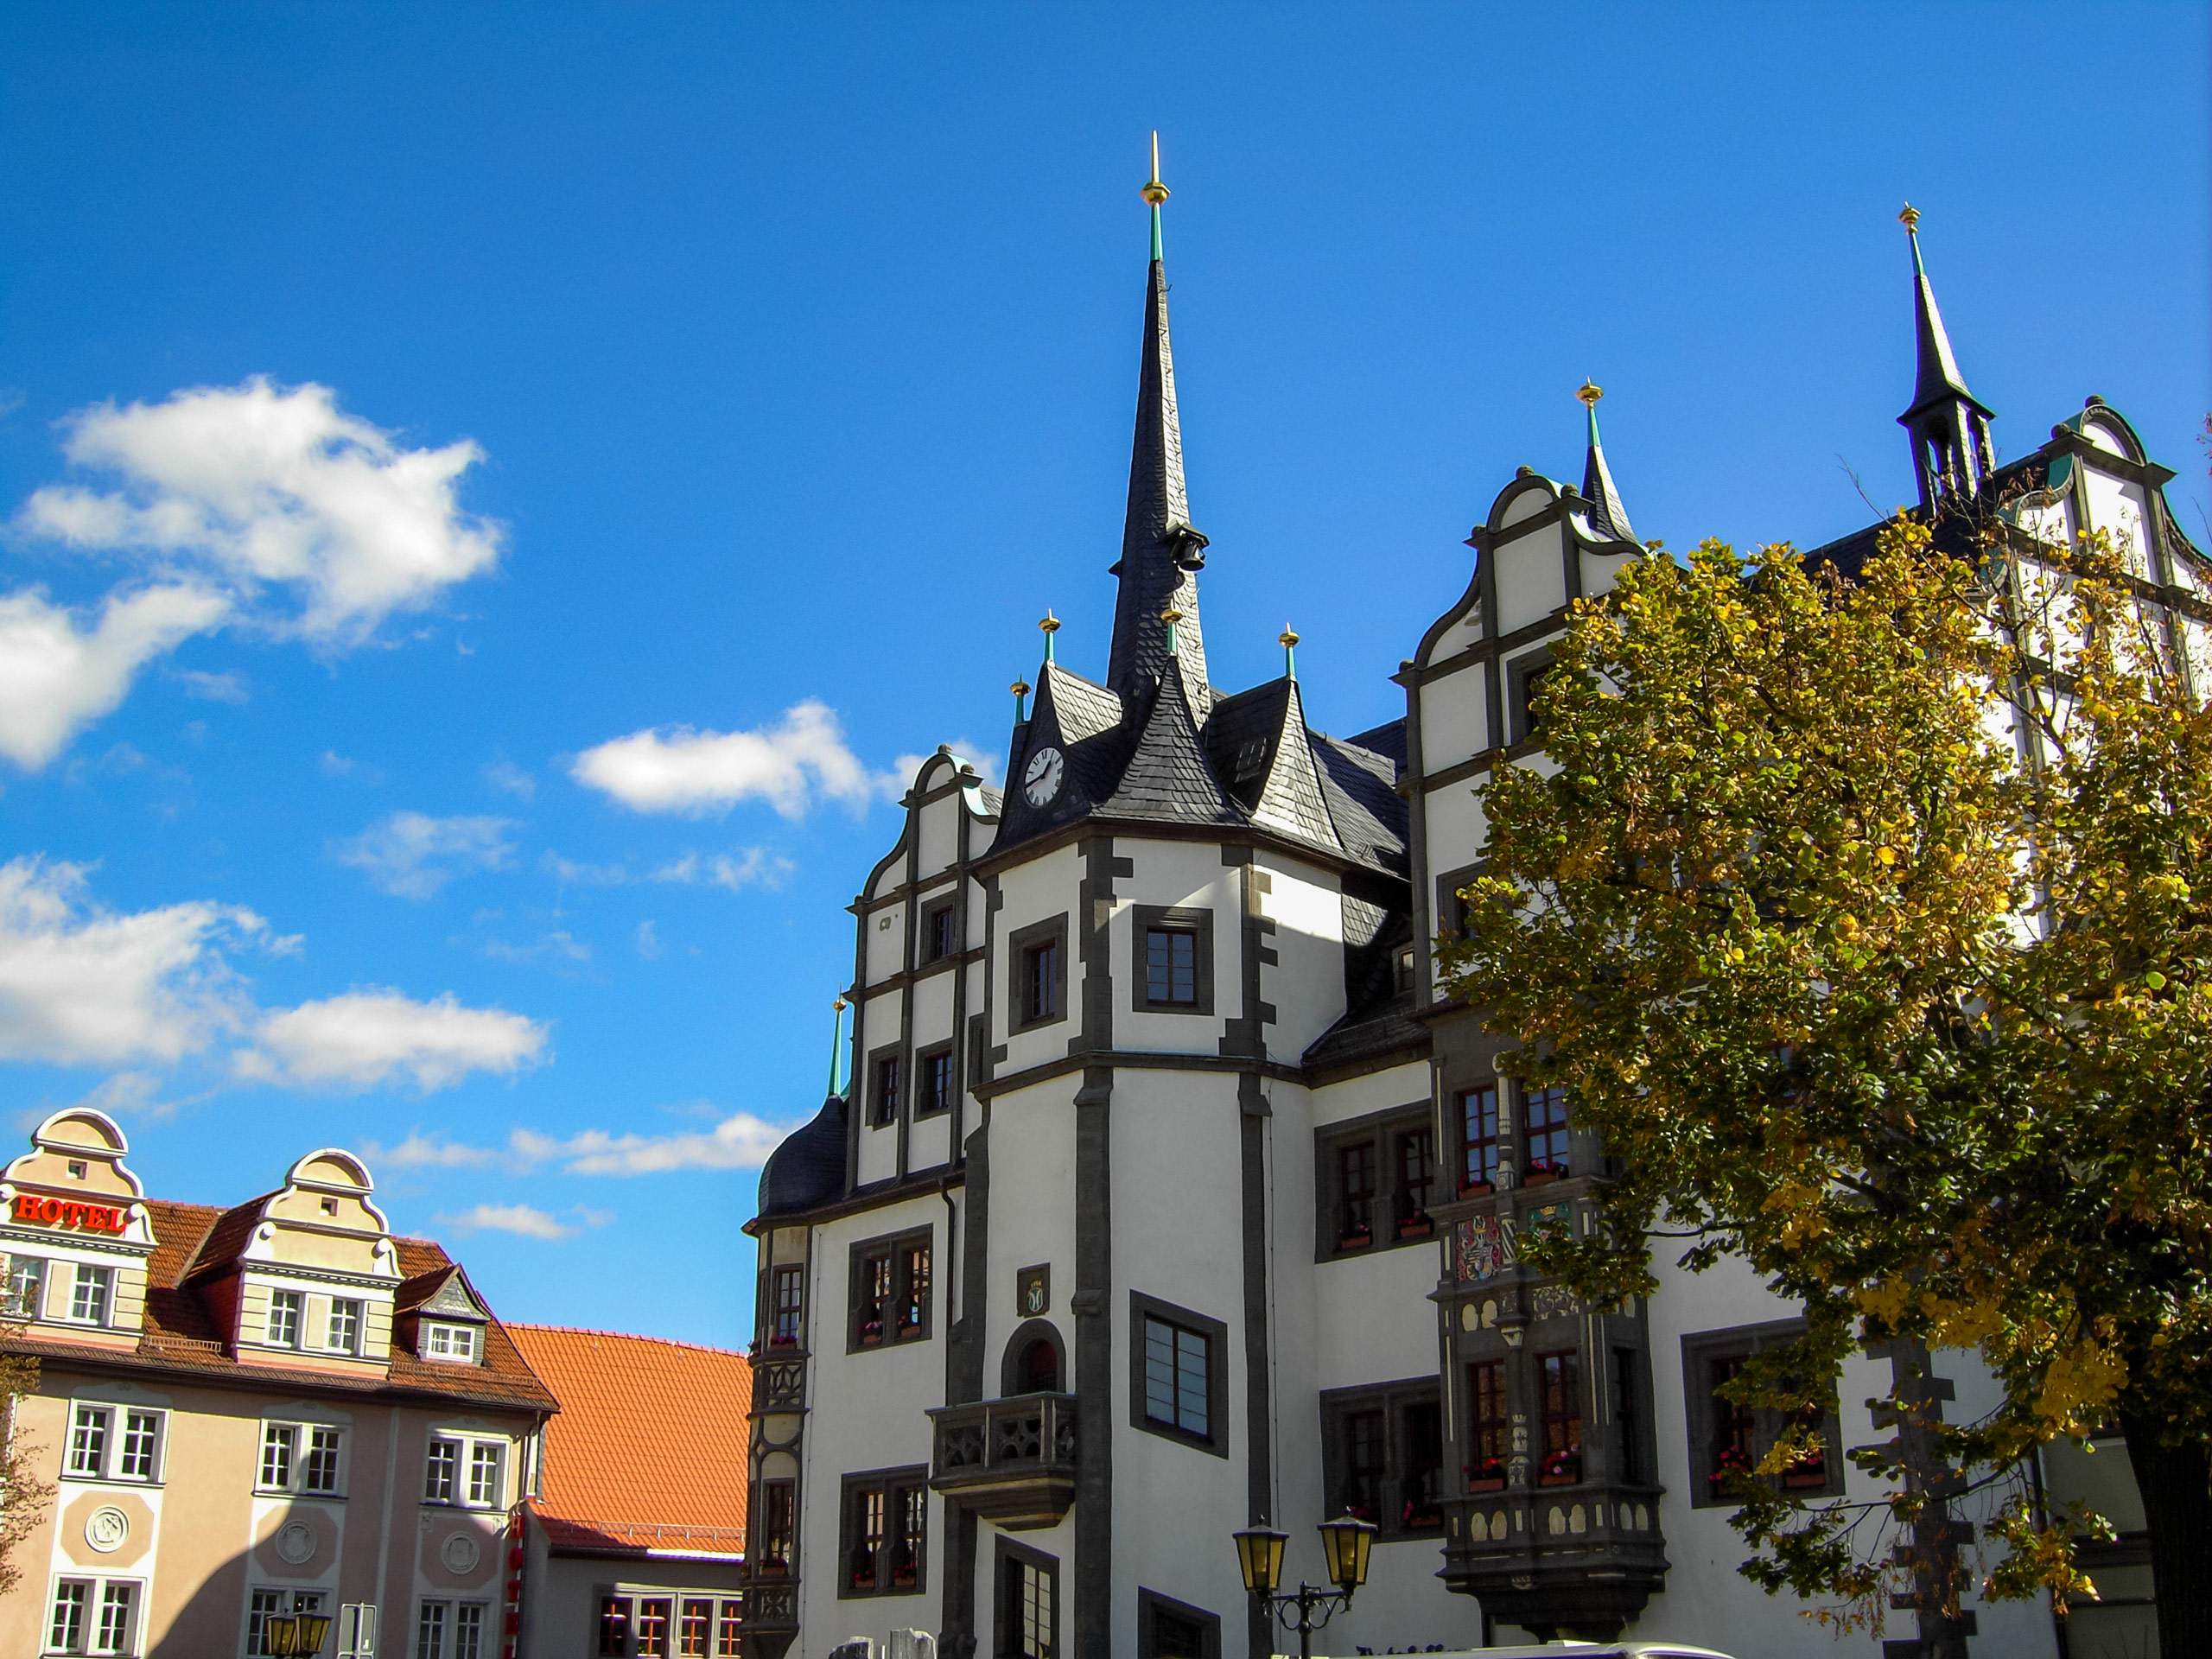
1340,1409
926,1060
887,1085
427,1329
1020,944
1010,1560
794,1275
12,1303
1528,1097
1524,675
298,1456
293,1303
450,1608
944,911
1193,919
352,1313
1479,1426
1216,1336
87,1638
116,1433
778,1492
102,1279
888,1486
288,1602
467,1451
1699,1349
1333,1237
898,1248
1571,1411
1150,1603
1479,1152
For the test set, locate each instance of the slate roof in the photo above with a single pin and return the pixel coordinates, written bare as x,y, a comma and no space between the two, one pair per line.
623,1399
1167,776
807,1168
181,1335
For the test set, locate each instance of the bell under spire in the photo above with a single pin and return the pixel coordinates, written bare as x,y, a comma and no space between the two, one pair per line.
1949,425
1162,554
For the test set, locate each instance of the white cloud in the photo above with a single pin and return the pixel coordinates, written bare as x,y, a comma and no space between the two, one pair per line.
739,1141
212,688
677,769
419,1151
752,866
368,1037
522,1220
648,941
413,854
557,947
56,677
335,764
594,875
504,774
80,984
272,486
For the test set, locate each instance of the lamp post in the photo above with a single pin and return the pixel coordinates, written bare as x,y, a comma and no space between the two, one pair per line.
1344,1544
296,1636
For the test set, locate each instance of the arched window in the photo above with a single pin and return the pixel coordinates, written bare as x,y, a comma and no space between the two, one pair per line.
1040,1366
1035,1361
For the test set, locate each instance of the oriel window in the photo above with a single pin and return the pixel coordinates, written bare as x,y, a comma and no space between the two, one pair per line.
787,1289
1543,1113
1479,1139
1486,1423
775,1509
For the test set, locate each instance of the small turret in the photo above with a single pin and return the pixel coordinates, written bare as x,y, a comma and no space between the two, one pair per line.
1951,452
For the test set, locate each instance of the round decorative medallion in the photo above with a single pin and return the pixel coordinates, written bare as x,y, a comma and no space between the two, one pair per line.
107,1529
296,1543
462,1552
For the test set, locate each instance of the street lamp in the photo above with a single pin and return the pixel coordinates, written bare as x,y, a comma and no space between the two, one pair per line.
1344,1544
296,1636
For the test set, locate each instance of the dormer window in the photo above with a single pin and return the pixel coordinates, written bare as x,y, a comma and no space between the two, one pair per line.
456,1343
284,1328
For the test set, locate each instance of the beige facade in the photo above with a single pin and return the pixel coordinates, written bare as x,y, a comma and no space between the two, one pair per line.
274,1408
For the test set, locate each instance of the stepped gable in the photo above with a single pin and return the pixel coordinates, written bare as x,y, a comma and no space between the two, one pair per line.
1168,776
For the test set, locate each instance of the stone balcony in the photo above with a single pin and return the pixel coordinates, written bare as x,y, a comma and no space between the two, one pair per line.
1011,1461
1577,1559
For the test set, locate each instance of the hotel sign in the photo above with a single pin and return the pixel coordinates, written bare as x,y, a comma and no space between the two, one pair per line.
70,1212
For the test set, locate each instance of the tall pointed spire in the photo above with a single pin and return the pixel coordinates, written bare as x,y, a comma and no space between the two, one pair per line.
1608,516
1949,425
1162,554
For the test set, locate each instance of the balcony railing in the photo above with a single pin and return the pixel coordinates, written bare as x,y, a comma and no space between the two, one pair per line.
1011,1461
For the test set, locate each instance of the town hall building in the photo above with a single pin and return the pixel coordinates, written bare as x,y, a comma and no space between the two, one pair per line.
1170,1192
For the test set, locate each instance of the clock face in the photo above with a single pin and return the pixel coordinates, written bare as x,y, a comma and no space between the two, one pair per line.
1042,780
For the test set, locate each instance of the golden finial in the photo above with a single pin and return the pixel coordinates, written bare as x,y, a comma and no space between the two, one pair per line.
1287,637
1051,624
1171,616
1154,191
841,1005
1589,393
1020,688
1288,640
1910,218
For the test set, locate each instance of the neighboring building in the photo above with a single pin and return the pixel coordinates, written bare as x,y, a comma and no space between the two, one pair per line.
636,1534
278,1407
1169,1195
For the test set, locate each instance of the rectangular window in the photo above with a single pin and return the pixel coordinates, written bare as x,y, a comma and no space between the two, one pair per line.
776,1508
1356,1194
283,1330
468,1630
1037,966
1559,1382
787,1288
1734,1442
695,1629
1171,966
884,1101
278,1442
1028,1604
1487,1416
88,1301
1175,1629
1176,1367
442,1478
1366,1461
936,1073
431,1630
867,1542
484,1459
119,1621
1416,1157
910,1509
615,1627
141,1439
654,1615
25,1295
890,1291
1421,1484
1627,1416
1479,1139
729,1626
939,940
319,1473
1544,1117
456,1343
886,1519
64,1631
1726,1437
88,1440
262,1605
344,1333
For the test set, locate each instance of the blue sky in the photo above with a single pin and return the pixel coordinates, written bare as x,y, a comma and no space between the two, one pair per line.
417,417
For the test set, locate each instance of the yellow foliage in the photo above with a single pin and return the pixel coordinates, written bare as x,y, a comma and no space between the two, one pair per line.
2080,1381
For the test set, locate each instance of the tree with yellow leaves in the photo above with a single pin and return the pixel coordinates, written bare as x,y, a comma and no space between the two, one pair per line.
1870,923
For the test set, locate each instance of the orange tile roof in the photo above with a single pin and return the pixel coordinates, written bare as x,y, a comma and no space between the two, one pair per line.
194,1241
648,1451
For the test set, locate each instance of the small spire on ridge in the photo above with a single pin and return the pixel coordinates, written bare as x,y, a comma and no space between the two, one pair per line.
1607,515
